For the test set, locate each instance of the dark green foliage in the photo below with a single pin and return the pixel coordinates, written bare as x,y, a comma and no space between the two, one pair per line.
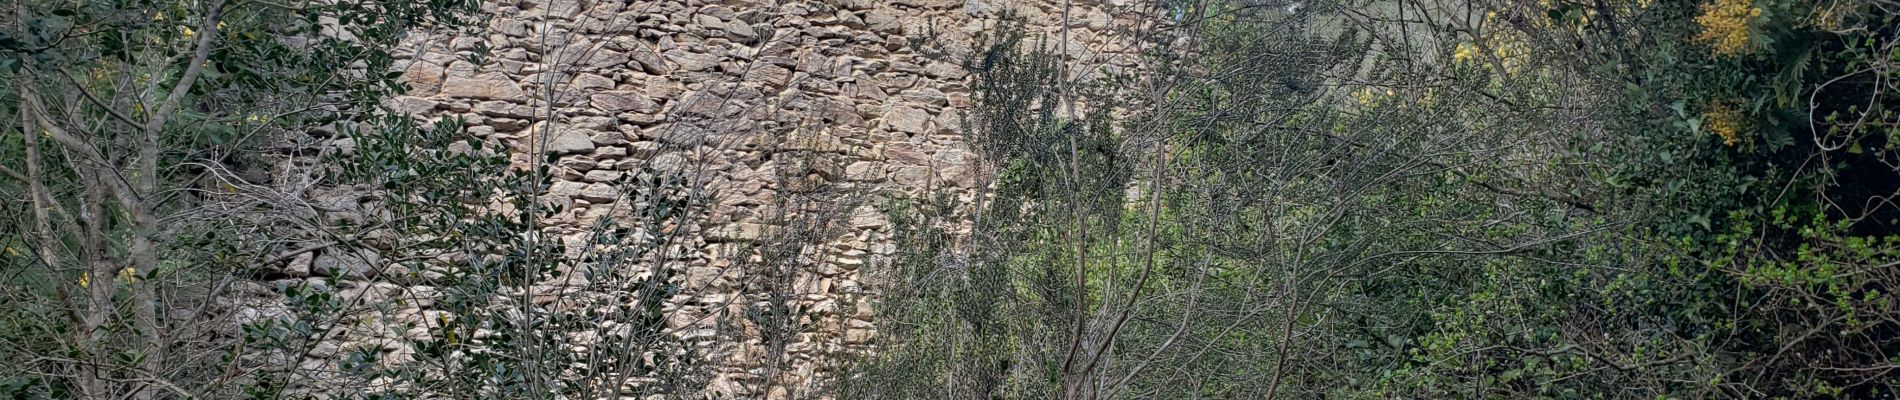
125,272
1767,168
1582,200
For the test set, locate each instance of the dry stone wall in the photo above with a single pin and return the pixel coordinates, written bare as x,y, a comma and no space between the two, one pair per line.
867,94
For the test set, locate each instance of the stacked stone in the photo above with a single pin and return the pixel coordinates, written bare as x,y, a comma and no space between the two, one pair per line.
775,108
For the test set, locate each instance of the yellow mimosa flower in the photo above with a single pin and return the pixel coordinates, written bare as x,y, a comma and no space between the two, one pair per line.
1725,25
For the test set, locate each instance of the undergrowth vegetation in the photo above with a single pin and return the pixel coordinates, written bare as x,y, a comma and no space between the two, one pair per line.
1418,199
1355,199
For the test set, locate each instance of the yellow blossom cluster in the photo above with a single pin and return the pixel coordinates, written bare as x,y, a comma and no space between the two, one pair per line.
1366,96
1724,122
1725,25
1509,47
1464,53
1515,54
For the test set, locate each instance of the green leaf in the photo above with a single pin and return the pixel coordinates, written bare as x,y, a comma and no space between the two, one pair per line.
1701,220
